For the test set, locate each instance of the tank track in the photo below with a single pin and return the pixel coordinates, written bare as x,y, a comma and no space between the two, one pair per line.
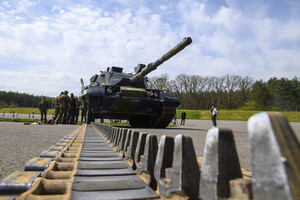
167,114
161,121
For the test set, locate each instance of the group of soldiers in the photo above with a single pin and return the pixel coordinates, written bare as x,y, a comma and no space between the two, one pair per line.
67,109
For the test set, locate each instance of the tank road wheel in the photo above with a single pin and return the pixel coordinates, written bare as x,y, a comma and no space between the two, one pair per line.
161,121
90,116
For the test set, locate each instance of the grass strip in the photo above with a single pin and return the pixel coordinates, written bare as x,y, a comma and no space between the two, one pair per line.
18,120
233,115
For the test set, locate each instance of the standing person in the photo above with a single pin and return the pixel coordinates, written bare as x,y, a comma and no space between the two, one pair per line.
72,109
183,116
57,109
214,113
77,110
83,109
60,116
68,121
64,99
43,107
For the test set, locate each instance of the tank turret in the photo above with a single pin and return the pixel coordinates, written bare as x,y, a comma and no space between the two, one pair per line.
142,70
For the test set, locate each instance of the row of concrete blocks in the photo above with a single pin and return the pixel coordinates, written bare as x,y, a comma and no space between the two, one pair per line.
172,168
20,181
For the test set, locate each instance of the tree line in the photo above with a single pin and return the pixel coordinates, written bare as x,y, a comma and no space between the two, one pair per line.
277,94
198,93
22,99
231,92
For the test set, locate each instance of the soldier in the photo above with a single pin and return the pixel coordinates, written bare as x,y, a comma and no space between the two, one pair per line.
59,120
57,109
64,100
43,107
72,109
77,110
83,108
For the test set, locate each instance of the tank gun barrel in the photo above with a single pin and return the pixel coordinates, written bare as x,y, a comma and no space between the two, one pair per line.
152,66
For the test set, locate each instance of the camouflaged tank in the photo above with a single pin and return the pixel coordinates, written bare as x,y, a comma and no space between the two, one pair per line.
116,95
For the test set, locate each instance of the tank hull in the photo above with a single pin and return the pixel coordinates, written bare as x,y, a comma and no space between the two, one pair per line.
134,105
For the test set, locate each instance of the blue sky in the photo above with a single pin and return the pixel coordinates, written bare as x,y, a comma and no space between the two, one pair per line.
47,46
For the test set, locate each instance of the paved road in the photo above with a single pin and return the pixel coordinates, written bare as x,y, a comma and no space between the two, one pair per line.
197,129
19,143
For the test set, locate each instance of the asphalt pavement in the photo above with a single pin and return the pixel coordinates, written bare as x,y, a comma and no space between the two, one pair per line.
197,130
19,143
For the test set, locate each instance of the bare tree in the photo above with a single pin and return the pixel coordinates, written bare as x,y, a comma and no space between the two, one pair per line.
196,92
194,81
173,87
160,82
231,83
244,85
210,82
180,82
201,84
219,85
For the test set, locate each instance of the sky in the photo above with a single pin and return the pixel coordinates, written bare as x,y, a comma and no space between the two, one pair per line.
47,46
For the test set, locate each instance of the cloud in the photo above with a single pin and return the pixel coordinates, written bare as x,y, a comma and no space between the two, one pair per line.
78,42
47,48
239,44
163,7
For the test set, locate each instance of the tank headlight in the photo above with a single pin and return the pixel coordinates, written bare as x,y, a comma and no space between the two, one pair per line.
109,90
155,94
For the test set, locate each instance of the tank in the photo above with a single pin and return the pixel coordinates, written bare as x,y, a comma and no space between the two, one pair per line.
113,94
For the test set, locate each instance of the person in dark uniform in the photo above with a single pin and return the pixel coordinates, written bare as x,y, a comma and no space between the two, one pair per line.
64,99
60,116
43,107
183,116
77,110
72,109
83,108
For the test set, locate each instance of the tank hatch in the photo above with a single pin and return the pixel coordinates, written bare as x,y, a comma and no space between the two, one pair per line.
116,69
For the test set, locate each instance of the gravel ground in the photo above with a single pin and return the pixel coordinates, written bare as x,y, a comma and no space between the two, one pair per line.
19,143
